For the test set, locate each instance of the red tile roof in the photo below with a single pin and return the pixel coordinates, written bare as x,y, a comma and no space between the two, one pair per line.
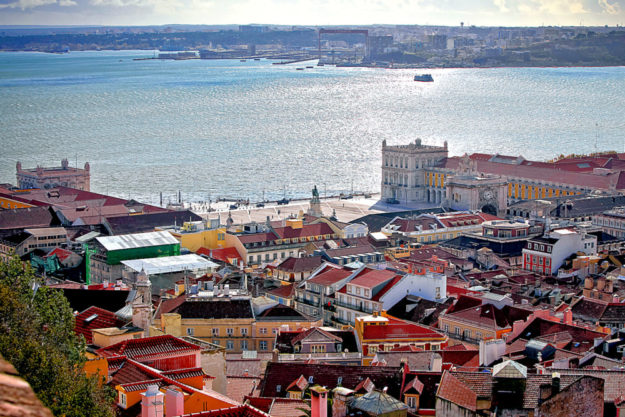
241,367
178,374
299,384
304,264
537,171
221,254
454,391
365,385
283,373
397,329
238,387
306,230
284,407
60,253
149,346
370,278
257,237
245,410
387,287
304,334
415,386
330,276
485,315
127,372
465,219
284,291
95,318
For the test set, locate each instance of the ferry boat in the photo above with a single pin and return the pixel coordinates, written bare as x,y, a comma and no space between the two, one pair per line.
424,78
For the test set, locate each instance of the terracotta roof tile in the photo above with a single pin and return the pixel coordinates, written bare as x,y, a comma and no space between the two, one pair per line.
283,373
221,254
238,387
454,391
330,276
25,218
95,318
366,385
415,386
239,367
306,230
244,410
149,346
127,373
299,384
283,407
284,291
17,398
304,264
370,278
397,329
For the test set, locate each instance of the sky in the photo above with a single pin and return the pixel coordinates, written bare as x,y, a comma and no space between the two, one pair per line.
317,12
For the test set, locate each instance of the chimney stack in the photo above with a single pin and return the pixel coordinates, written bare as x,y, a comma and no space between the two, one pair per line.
152,402
318,402
555,383
174,402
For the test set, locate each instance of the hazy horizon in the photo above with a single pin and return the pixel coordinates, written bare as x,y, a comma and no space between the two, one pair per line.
509,13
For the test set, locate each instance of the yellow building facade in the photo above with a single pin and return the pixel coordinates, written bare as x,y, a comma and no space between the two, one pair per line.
517,189
196,239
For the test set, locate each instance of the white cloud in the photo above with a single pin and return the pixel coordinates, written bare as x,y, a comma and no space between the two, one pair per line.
552,7
610,8
66,3
26,4
501,5
169,7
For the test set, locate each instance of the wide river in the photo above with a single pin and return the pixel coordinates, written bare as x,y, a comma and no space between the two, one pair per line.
231,128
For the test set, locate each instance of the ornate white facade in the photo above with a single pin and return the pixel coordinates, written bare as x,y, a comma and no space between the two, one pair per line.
416,173
403,172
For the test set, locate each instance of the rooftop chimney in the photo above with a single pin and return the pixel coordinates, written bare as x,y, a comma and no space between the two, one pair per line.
555,382
152,402
174,403
318,402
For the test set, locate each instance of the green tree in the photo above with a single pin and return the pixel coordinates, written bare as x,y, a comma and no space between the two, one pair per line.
37,337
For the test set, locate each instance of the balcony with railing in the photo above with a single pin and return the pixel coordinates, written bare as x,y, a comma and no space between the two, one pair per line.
307,302
341,320
359,307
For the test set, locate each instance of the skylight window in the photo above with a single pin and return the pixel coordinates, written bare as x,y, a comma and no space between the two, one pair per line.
91,318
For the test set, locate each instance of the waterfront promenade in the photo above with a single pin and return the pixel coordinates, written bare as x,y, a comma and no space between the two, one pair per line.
345,210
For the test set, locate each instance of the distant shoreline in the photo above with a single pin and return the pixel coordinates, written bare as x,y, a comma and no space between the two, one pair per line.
400,67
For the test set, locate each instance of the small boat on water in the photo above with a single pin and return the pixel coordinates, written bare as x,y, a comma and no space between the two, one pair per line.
242,60
256,59
309,66
300,69
424,78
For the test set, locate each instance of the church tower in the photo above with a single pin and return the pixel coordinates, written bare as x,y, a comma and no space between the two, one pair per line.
142,304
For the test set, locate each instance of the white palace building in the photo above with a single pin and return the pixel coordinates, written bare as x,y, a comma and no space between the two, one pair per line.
418,173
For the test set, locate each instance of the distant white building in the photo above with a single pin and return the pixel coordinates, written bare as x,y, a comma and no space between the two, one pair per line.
546,254
376,290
